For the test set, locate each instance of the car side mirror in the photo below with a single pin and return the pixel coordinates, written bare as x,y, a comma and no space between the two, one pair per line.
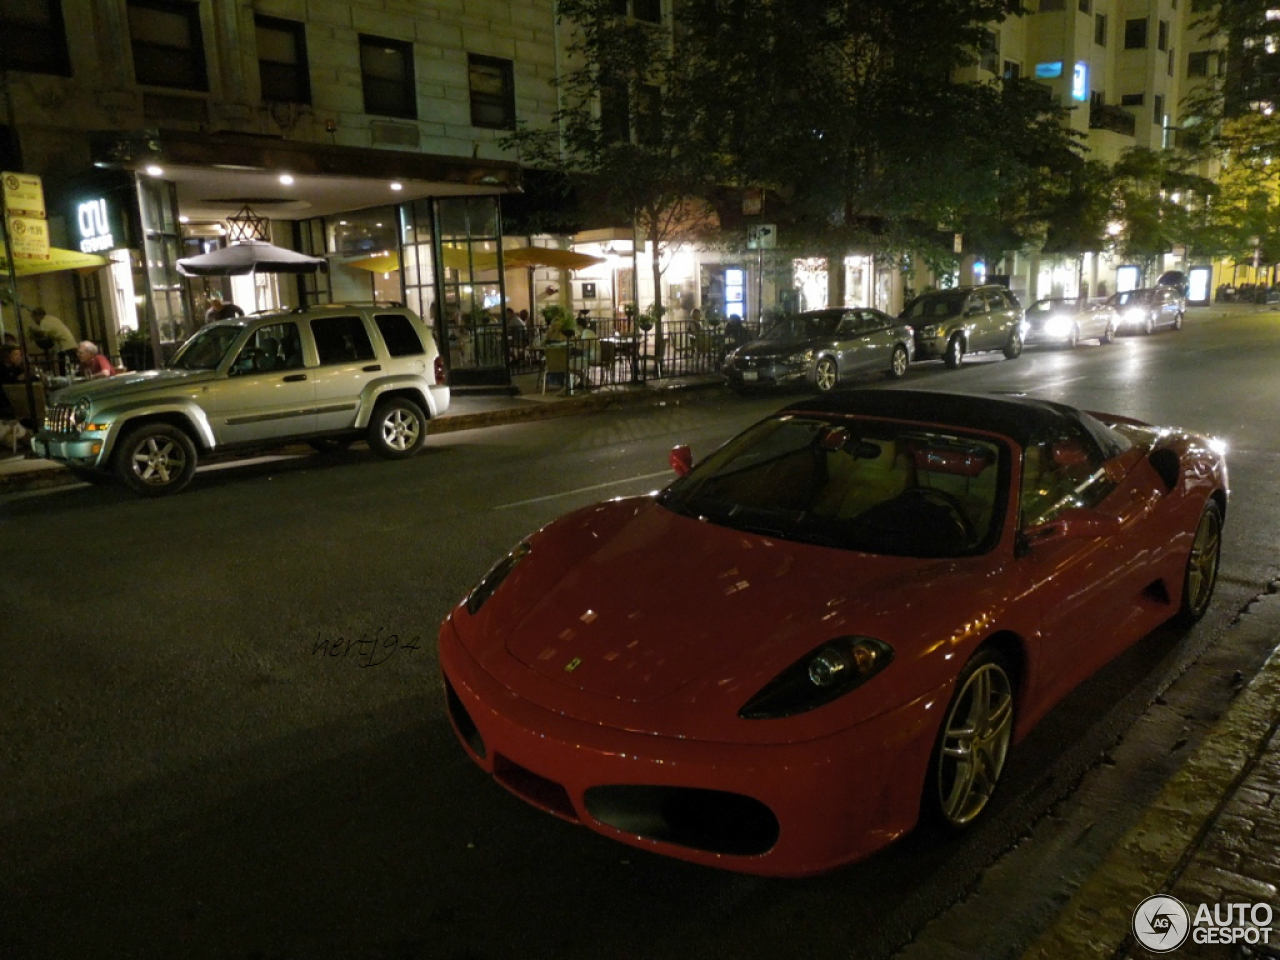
1078,523
681,459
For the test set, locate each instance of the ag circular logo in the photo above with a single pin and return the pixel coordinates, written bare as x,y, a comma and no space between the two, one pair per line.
1161,923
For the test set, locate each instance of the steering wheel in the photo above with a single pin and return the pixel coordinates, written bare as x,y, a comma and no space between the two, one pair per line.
951,503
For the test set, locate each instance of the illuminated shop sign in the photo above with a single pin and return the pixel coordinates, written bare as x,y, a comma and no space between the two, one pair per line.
94,225
1049,70
1080,82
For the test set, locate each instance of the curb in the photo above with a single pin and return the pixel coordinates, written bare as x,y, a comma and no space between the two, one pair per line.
1152,855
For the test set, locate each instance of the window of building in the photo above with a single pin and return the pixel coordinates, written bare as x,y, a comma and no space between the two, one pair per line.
493,94
1086,6
1173,56
649,10
1162,35
1157,114
1132,99
168,48
615,118
1135,34
1049,6
33,37
989,55
282,60
386,73
649,113
1198,63
1100,29
1012,70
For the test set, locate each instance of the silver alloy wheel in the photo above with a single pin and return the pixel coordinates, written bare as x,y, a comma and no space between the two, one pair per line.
955,351
1013,349
898,363
975,741
825,375
400,429
1202,564
158,461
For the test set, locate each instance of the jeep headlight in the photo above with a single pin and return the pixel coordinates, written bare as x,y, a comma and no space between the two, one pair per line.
803,357
80,413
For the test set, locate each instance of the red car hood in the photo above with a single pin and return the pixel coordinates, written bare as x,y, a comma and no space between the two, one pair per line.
628,603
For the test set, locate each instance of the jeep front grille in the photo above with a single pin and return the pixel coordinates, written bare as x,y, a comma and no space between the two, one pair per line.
57,418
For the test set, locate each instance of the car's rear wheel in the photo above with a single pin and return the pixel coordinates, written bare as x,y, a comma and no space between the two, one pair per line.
826,375
955,352
155,459
1013,349
898,363
977,730
1202,564
398,428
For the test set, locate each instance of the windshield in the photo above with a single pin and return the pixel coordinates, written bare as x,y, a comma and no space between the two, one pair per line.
205,350
935,305
1130,297
871,486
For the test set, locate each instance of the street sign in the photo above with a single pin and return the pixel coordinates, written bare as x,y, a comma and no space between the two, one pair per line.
26,227
23,194
762,236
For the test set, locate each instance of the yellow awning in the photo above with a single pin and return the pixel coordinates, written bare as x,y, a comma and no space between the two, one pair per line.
549,257
378,263
455,258
59,259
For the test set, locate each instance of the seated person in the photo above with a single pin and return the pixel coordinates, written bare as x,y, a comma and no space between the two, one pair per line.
93,364
12,367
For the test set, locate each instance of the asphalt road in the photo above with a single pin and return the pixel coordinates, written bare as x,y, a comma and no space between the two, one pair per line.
202,760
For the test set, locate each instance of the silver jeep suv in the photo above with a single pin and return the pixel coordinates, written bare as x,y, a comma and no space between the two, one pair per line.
327,374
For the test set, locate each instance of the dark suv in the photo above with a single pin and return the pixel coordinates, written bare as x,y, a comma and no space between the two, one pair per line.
952,323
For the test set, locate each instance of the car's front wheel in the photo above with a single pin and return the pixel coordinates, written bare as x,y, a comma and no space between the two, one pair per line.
973,743
826,375
1201,574
1013,349
955,352
898,363
1148,326
1109,334
1177,320
398,428
155,459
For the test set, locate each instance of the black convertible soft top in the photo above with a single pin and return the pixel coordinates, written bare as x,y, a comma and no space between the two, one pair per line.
1016,417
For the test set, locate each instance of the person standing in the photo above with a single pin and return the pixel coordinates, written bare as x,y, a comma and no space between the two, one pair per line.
52,336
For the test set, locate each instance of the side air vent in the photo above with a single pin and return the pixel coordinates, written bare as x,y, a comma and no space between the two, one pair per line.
1165,463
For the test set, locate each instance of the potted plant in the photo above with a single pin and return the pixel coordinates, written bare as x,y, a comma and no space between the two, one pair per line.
135,349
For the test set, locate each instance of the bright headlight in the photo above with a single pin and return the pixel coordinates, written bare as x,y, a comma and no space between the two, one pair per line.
1135,315
80,413
1057,326
823,675
490,582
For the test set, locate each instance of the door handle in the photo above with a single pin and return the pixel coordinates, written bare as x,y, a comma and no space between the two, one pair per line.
372,367
295,377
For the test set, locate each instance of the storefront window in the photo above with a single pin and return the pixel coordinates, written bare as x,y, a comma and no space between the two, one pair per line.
472,290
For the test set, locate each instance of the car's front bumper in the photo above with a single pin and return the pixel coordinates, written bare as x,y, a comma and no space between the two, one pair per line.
766,374
829,801
72,449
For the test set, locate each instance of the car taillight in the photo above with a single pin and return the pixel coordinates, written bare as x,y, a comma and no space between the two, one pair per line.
441,375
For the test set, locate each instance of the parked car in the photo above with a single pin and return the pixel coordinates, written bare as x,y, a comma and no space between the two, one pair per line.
329,375
823,349
1147,309
949,324
841,620
1063,322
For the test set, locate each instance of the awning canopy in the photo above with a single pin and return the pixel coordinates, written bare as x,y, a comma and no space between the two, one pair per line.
455,258
250,256
378,263
59,259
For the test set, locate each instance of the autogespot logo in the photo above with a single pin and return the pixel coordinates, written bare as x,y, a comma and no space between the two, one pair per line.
1161,923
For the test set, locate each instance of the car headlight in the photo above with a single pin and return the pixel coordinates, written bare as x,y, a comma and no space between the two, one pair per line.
490,582
80,413
1135,315
822,675
803,357
1057,326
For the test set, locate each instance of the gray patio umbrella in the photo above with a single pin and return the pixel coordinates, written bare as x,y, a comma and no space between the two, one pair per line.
249,256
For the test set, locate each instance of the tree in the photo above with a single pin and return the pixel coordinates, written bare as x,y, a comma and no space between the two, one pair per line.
618,132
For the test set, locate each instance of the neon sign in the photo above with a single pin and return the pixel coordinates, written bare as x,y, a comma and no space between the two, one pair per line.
95,227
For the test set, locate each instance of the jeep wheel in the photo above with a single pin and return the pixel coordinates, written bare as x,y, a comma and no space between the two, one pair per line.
955,352
398,428
155,459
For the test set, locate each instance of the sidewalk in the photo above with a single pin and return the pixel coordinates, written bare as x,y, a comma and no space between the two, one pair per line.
467,411
1212,836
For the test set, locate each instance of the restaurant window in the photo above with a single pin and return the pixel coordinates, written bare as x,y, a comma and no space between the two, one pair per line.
168,48
493,94
282,60
386,73
33,37
1100,29
1162,35
1135,34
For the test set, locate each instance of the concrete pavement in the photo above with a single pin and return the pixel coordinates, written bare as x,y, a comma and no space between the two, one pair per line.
1211,839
